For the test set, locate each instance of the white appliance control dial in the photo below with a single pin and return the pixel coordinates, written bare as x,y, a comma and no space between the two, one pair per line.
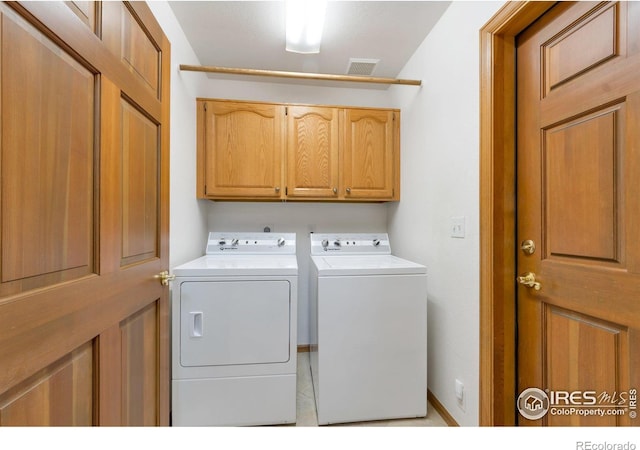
281,242
337,243
325,243
376,242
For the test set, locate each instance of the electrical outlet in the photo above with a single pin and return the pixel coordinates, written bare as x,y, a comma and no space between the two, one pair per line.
457,227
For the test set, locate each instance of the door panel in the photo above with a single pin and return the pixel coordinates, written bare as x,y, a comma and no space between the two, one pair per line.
577,200
140,189
60,394
84,191
47,165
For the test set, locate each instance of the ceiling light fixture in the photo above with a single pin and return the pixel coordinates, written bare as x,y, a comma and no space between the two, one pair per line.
305,21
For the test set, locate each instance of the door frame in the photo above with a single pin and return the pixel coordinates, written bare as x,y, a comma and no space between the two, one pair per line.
498,209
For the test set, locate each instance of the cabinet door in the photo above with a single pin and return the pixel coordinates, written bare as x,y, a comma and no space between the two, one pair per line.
312,152
370,154
240,150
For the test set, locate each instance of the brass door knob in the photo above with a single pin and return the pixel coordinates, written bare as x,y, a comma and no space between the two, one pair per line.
528,247
164,277
529,280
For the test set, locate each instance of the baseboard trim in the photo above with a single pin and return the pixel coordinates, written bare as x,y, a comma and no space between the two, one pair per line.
448,418
304,348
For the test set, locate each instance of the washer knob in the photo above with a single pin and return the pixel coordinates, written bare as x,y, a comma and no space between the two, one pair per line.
376,242
234,242
222,242
325,243
337,243
281,242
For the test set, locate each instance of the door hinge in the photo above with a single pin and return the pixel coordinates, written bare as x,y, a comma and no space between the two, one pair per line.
205,106
286,110
286,190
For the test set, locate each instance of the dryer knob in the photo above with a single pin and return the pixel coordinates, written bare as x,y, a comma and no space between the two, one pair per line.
234,242
376,242
281,242
222,242
337,243
325,243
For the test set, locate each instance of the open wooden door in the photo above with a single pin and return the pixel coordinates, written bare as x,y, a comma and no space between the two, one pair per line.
578,203
84,214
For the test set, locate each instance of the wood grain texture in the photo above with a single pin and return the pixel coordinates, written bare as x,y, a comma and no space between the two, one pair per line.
59,395
497,209
41,327
139,155
313,139
243,149
47,162
313,154
368,154
572,150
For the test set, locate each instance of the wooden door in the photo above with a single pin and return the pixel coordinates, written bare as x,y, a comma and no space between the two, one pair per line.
370,154
312,152
578,153
240,149
84,143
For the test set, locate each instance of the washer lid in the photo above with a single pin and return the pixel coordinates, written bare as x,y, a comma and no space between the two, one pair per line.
345,265
238,265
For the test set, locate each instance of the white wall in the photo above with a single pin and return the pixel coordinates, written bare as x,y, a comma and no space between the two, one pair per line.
440,180
188,216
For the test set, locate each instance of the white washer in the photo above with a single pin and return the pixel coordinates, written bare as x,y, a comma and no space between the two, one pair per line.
368,330
234,332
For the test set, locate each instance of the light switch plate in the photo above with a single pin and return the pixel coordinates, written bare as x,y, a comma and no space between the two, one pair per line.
457,227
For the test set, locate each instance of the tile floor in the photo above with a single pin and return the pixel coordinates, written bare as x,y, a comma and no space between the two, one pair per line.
306,407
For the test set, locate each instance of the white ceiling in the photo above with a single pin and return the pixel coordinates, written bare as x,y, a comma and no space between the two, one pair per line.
251,34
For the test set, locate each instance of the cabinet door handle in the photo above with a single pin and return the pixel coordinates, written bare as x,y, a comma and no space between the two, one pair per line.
277,189
348,190
335,190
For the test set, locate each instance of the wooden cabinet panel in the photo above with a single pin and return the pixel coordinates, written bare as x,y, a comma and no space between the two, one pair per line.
325,153
241,149
312,151
369,156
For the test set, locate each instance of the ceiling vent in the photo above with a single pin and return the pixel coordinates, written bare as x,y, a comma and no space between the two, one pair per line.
360,66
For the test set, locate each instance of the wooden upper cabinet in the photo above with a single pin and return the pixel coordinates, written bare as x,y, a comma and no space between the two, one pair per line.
370,154
240,150
312,151
297,152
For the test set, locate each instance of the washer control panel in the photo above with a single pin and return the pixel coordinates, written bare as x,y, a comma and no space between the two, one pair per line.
251,243
350,243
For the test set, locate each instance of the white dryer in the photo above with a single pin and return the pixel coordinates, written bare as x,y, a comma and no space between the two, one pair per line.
234,331
368,330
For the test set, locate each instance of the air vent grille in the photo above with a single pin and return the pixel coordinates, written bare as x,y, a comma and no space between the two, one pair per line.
360,66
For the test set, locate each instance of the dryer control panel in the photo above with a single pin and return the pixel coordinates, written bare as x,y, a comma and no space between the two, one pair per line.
350,243
251,243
